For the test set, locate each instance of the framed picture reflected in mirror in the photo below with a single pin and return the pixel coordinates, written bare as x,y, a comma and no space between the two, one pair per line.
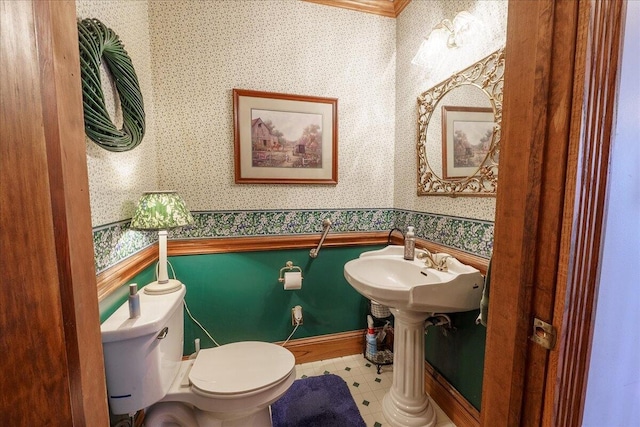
467,134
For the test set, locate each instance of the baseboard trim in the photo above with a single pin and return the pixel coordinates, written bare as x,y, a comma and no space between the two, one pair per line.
330,346
324,347
457,408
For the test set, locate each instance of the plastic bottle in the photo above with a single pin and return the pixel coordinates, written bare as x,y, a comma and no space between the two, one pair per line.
372,345
134,301
409,244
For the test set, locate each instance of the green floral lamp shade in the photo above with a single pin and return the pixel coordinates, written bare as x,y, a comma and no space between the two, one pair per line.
161,210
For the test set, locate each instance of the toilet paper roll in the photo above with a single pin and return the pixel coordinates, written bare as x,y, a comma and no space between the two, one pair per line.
292,280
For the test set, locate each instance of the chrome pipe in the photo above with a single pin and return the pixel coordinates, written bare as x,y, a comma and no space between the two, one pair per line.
326,224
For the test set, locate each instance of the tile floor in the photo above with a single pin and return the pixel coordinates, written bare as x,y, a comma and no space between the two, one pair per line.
367,387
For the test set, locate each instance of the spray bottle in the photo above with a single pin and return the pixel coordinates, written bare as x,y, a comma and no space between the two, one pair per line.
372,346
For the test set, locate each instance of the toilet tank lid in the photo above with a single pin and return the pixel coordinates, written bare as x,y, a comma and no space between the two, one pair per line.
155,311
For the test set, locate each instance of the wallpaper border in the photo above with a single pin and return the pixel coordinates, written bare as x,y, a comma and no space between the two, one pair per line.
115,242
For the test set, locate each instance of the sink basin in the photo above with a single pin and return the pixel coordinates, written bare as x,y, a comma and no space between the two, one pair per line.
412,291
386,277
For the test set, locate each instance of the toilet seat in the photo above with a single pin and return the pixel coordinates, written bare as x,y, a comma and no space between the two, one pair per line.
242,368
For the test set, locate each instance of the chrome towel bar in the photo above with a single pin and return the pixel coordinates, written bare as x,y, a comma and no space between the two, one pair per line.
326,225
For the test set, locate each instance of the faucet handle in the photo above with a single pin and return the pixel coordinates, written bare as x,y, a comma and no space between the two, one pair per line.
427,257
430,260
442,264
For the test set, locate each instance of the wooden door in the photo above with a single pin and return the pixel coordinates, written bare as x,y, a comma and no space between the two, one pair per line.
561,68
52,371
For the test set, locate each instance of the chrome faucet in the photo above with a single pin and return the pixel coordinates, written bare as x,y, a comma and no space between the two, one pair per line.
430,260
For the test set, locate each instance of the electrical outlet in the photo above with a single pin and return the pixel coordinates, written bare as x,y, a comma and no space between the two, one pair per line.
296,312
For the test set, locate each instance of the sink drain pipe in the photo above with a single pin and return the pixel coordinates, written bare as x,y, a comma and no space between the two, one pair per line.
437,319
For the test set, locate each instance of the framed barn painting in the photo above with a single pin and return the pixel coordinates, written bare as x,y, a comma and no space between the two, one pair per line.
285,139
467,134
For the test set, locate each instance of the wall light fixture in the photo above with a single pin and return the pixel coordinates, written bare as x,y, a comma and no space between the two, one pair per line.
453,45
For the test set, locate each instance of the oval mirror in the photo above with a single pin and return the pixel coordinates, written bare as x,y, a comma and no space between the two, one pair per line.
459,131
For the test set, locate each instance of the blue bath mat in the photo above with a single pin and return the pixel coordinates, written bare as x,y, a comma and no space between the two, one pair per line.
322,401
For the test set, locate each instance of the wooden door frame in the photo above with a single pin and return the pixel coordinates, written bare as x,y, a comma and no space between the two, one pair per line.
52,364
561,73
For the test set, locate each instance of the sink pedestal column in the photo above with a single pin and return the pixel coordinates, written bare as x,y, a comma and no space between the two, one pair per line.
406,404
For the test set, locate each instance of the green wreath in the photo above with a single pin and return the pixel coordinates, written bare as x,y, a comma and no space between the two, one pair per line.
98,42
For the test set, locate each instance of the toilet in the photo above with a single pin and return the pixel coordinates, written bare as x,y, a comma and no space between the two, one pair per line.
228,386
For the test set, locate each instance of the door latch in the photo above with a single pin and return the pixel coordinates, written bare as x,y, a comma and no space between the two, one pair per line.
544,334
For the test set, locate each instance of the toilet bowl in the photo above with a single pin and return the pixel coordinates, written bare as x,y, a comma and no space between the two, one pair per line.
230,385
227,386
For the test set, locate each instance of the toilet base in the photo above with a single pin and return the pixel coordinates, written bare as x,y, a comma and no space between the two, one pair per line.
262,418
185,406
173,414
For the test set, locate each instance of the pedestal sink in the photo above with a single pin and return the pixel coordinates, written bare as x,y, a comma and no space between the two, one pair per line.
413,293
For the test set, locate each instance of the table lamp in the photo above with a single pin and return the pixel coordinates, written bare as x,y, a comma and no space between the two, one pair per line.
161,210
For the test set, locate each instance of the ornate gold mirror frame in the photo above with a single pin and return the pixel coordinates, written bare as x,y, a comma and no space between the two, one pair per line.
487,75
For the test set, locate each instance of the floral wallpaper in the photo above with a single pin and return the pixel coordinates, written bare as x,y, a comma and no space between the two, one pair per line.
116,180
203,50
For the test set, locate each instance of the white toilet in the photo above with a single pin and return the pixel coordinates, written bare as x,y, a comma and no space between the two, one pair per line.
230,385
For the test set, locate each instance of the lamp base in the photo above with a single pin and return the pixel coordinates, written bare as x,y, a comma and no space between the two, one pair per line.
156,288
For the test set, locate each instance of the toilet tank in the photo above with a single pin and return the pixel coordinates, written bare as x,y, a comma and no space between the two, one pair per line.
142,355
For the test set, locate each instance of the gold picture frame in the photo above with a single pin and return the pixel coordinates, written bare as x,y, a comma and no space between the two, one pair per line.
485,77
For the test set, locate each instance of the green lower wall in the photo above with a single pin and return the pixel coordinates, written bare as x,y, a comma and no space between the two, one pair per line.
237,297
458,354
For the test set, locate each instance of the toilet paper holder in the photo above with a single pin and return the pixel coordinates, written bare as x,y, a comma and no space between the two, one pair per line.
289,267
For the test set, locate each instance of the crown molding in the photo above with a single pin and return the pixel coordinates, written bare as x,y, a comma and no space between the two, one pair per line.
388,8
